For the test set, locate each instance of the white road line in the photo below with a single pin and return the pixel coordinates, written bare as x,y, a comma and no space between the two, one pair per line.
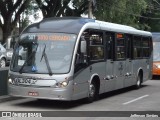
135,99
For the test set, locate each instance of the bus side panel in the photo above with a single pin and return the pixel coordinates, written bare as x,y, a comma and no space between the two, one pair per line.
80,88
119,71
129,76
110,81
137,64
146,69
83,77
99,68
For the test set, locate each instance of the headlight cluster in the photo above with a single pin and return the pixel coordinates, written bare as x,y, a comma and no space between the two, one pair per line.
9,54
62,84
157,66
10,81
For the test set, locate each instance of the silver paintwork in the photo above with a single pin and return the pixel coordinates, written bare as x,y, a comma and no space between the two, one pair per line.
112,74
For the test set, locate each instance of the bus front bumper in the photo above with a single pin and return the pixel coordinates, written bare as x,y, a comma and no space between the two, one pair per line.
42,93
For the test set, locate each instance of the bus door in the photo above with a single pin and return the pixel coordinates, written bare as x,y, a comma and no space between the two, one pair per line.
146,44
110,80
120,60
128,67
89,64
97,56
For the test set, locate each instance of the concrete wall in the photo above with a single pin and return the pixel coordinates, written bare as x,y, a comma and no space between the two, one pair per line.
3,81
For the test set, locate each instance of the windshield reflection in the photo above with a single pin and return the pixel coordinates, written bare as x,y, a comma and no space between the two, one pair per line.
58,52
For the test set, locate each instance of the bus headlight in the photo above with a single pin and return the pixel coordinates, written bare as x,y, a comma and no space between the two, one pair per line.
10,81
9,54
62,84
158,66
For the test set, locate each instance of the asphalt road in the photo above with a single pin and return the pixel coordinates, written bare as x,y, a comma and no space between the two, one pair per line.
146,98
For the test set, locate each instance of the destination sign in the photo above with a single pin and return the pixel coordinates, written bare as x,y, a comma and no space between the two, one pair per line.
120,35
48,36
53,37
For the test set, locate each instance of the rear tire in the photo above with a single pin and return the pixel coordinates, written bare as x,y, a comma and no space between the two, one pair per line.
138,82
93,92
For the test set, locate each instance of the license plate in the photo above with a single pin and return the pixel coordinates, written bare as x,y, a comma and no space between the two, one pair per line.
33,93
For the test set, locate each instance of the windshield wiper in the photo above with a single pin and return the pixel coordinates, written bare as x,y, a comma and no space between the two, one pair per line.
21,69
46,61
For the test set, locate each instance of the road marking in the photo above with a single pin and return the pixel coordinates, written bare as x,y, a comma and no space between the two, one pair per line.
135,99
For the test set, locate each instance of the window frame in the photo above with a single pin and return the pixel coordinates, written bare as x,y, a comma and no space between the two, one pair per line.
101,34
136,46
120,46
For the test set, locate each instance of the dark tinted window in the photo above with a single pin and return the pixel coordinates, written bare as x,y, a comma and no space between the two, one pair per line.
120,46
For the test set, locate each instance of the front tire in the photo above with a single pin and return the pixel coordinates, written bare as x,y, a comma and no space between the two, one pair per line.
93,92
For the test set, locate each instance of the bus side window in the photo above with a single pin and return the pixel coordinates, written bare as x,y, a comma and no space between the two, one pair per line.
128,46
96,47
109,44
146,46
120,46
81,60
137,44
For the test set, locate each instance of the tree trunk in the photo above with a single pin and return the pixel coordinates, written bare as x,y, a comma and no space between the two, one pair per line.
6,33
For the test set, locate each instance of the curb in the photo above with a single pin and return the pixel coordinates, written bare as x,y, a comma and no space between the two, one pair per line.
6,98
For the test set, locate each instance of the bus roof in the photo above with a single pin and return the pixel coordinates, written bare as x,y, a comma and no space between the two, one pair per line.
75,24
59,24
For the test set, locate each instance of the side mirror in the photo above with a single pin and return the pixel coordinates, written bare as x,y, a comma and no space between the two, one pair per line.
83,46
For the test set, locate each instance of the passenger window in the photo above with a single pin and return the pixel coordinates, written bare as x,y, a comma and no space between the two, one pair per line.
146,46
109,45
96,52
120,46
129,46
137,44
96,48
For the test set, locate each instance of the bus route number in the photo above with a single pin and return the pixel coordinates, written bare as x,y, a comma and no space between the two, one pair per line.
31,37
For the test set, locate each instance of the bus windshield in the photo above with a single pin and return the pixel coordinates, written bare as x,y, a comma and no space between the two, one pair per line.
156,53
43,53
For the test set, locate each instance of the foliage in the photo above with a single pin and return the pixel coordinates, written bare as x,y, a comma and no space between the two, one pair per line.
57,8
121,11
141,14
10,11
31,10
153,14
78,8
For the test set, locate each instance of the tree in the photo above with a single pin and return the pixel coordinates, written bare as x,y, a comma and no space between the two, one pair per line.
10,11
78,8
57,8
52,8
121,11
31,10
152,15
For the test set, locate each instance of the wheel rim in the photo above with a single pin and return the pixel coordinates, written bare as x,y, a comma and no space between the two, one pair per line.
2,63
138,81
91,90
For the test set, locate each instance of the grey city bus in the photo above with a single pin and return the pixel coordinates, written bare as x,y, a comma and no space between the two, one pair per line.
74,58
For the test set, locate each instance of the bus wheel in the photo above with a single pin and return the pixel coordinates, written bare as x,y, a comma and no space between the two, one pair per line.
138,82
2,63
93,92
